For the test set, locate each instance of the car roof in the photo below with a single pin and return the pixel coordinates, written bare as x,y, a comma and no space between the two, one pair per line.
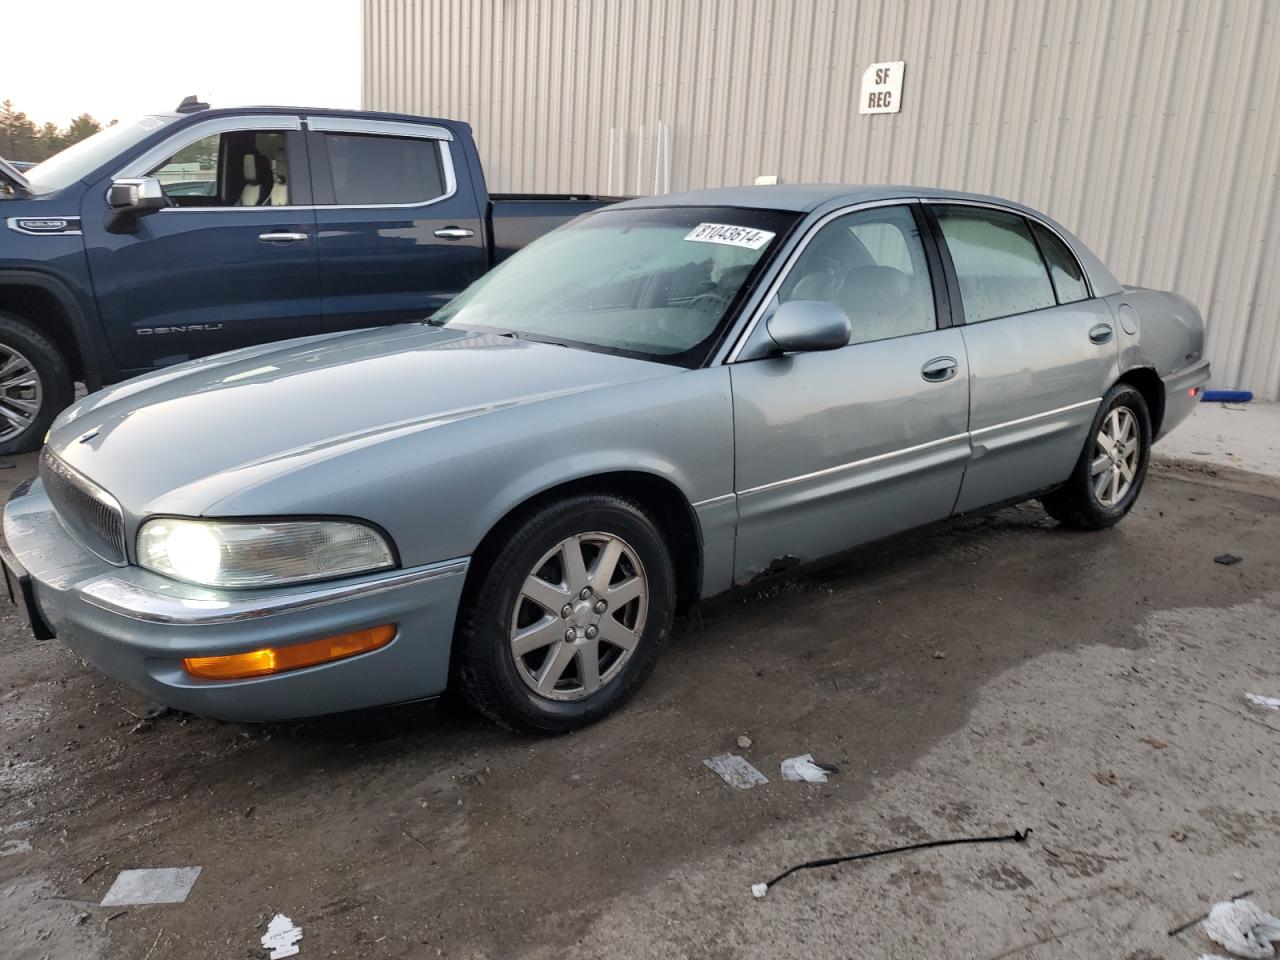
809,197
804,197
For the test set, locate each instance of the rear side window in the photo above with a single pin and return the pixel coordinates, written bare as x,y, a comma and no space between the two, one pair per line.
997,263
1064,269
373,169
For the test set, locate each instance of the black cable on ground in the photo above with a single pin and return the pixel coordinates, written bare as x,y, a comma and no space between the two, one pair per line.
1018,836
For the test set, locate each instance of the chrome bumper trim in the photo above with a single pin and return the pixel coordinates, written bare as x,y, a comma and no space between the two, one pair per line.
127,600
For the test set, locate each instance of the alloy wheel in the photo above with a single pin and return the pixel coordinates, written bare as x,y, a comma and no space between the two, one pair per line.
1117,448
579,616
21,393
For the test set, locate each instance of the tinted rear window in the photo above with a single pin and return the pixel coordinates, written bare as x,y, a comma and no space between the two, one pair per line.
370,169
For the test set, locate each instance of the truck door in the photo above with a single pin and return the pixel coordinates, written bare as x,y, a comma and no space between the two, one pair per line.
401,230
232,262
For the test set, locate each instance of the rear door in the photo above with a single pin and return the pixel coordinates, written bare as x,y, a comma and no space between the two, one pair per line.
399,236
836,448
232,263
1042,350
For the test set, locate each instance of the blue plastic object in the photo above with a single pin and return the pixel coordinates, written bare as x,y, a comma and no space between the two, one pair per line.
1227,396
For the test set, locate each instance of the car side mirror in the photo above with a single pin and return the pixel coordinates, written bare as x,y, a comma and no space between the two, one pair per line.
131,198
803,326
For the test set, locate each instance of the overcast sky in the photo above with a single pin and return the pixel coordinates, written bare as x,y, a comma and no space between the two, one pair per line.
116,60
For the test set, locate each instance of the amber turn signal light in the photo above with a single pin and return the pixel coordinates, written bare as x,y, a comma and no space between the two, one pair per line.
257,663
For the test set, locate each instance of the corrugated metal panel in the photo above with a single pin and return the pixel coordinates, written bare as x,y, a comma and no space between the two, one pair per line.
1151,127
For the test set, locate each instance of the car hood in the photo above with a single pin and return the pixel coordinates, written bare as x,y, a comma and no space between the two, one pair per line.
180,439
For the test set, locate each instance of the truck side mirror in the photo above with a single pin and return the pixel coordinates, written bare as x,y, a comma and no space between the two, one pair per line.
129,199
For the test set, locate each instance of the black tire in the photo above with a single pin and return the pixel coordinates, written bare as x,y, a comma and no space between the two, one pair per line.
1075,503
484,665
57,389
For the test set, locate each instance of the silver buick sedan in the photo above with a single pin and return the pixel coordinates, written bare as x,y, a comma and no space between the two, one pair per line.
654,404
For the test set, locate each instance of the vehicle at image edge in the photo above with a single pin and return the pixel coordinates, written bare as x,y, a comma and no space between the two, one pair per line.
194,232
659,402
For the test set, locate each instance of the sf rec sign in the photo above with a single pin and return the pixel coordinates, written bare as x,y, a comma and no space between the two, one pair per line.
882,87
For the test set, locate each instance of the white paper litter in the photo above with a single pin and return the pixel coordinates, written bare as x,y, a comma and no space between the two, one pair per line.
281,937
9,847
163,885
1258,700
803,768
736,771
758,890
1244,928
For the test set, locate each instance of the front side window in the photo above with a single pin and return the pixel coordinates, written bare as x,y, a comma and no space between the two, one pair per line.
996,261
1064,269
243,168
369,170
654,282
872,264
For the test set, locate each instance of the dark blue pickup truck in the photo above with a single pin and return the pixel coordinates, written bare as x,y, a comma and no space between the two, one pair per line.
198,231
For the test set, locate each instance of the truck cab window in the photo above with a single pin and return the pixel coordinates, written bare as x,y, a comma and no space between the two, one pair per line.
244,168
369,170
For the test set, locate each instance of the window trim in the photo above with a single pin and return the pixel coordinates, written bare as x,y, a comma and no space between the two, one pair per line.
292,123
148,160
943,300
953,278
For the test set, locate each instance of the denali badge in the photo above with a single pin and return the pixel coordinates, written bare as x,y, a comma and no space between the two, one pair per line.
46,226
185,328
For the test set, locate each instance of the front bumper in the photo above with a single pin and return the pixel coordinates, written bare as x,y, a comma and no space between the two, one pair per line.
138,626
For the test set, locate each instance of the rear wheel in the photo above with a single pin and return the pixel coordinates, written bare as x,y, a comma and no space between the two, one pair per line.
1112,467
568,618
35,385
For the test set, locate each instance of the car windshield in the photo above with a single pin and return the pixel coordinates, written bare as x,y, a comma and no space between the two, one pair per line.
80,159
653,282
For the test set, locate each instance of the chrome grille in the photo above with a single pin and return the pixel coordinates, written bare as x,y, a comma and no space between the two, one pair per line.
91,514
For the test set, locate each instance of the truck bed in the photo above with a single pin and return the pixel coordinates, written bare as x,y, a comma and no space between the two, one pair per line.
517,219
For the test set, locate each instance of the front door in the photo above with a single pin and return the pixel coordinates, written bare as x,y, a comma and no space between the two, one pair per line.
400,236
837,448
1042,351
233,261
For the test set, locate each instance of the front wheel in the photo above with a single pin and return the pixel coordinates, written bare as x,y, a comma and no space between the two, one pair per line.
1112,467
35,385
568,617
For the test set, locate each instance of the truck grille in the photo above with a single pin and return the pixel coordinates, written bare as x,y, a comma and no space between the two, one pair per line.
91,514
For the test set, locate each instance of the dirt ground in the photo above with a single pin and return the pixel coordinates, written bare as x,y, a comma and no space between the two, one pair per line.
991,674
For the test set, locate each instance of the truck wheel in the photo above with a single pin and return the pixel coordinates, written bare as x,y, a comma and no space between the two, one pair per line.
568,617
35,385
1112,467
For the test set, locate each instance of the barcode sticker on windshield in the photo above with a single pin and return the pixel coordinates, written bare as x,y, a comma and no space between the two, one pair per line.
729,235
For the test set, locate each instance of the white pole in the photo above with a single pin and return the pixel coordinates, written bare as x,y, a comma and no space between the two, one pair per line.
609,189
640,160
657,157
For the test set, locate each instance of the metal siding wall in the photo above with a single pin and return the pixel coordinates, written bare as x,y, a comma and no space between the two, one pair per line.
1150,127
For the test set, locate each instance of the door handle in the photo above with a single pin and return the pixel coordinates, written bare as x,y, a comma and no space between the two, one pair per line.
454,233
939,369
1101,333
282,236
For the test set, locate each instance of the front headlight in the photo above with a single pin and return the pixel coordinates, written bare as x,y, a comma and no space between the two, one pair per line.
260,553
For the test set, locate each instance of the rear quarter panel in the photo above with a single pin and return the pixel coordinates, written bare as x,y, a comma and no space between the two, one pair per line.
1163,332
